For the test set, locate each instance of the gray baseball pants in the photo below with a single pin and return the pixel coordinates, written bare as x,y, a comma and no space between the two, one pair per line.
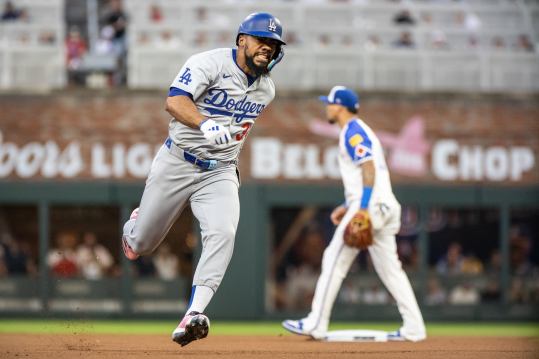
213,194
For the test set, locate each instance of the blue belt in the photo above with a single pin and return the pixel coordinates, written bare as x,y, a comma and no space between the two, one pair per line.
201,163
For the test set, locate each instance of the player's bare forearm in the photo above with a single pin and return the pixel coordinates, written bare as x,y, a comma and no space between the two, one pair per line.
184,110
368,173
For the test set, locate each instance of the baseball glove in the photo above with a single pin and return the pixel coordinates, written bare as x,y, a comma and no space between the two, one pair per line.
358,232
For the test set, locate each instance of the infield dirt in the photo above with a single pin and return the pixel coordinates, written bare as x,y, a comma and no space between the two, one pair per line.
64,346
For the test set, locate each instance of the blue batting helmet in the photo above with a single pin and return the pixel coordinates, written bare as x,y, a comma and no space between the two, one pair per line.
261,24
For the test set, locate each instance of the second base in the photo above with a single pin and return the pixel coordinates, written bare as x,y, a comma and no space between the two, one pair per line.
356,335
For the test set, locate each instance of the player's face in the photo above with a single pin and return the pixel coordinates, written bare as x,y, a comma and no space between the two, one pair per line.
258,52
332,112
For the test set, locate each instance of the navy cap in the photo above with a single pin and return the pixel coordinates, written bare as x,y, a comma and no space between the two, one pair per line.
340,95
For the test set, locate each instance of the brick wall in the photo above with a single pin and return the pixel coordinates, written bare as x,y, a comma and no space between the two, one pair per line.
29,122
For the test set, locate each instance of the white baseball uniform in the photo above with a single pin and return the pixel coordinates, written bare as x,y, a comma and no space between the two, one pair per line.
358,144
189,169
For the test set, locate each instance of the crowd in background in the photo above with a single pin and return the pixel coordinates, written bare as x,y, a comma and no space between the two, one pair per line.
464,265
87,64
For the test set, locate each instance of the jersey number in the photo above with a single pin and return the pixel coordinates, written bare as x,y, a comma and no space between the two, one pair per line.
246,127
186,77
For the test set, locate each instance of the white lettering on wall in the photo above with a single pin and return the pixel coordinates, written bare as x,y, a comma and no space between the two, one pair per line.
452,161
272,159
34,159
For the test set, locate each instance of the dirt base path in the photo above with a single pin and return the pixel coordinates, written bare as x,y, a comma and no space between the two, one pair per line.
60,346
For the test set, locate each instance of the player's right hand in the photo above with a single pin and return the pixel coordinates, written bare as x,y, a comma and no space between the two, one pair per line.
337,214
215,133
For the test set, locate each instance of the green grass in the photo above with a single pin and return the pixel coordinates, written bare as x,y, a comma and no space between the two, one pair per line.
250,328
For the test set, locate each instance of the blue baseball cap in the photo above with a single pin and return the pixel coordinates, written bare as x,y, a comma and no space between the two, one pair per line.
340,95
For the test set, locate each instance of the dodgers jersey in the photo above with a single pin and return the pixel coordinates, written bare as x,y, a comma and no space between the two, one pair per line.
224,93
357,144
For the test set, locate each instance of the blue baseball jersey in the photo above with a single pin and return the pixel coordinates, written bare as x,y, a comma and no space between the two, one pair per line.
357,144
223,92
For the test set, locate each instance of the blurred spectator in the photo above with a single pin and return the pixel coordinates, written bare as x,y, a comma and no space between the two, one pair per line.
3,266
451,263
143,39
464,294
517,291
117,19
201,39
473,43
156,14
426,18
166,263
167,40
11,13
301,278
439,40
492,292
216,19
347,41
498,43
404,41
23,38
468,21
93,259
404,17
520,250
75,48
436,295
17,256
47,37
524,43
104,45
372,43
62,260
291,38
375,295
407,252
494,264
471,265
324,40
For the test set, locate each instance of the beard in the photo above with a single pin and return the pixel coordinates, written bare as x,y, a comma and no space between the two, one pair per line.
258,70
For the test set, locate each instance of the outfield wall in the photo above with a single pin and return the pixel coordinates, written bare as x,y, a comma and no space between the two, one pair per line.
77,161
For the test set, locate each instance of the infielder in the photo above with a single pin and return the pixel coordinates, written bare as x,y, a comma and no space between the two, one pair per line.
368,196
214,100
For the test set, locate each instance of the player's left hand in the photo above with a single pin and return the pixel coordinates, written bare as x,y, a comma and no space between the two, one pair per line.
358,232
215,133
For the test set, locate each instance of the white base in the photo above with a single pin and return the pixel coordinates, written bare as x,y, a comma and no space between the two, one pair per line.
356,335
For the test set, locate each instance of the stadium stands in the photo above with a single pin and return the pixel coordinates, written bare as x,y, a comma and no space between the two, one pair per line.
485,46
473,45
32,45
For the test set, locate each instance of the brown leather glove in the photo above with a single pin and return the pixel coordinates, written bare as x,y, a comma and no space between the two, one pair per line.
358,232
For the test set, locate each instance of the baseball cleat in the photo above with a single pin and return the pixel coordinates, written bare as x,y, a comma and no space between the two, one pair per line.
301,328
295,326
128,251
193,326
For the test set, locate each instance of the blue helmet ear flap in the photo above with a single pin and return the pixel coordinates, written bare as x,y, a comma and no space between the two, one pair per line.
279,54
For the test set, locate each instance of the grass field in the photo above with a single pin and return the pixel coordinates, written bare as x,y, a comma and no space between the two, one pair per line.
252,328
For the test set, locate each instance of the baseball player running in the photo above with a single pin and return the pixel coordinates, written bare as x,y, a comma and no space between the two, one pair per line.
214,101
369,198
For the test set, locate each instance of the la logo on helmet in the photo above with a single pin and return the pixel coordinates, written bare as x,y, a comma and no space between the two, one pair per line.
272,26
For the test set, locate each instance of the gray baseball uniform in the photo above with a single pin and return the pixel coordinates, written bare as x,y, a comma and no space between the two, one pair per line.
189,169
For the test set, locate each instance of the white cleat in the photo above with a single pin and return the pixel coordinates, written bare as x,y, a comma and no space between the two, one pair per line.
299,327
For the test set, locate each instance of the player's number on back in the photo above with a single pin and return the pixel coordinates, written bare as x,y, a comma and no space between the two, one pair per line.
186,76
246,127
